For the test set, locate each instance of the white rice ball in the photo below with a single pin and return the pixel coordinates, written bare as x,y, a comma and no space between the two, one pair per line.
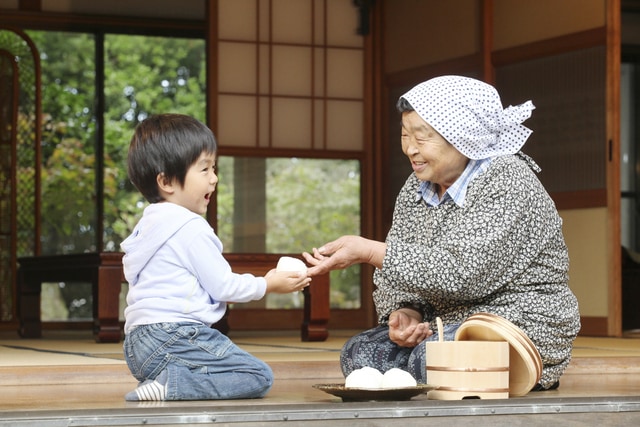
368,378
397,378
287,263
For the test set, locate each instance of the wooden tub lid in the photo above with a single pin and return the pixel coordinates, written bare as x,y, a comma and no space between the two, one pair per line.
525,361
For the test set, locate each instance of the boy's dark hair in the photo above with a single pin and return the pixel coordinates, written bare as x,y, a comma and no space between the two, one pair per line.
169,144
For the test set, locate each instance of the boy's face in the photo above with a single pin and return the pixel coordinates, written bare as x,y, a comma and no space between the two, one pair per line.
199,185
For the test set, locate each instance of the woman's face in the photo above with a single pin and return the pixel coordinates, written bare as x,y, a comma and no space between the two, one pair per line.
432,157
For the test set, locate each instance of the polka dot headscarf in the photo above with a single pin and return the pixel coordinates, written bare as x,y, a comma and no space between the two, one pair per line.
468,113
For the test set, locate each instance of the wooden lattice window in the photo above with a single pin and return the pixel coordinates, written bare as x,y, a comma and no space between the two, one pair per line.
19,160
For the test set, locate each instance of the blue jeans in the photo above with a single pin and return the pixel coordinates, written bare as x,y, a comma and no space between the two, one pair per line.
201,362
375,349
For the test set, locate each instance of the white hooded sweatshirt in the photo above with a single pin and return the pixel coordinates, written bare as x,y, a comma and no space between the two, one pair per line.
176,272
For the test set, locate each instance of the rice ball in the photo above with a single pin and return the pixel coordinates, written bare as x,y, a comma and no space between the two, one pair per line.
287,263
368,378
397,378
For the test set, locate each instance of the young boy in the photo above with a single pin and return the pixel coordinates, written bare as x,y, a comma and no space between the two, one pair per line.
179,282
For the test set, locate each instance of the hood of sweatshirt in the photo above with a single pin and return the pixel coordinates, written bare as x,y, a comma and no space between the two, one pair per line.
159,222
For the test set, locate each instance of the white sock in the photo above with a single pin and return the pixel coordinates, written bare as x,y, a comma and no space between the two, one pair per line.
151,390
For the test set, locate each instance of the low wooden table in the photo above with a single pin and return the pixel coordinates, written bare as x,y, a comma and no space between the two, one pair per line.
104,272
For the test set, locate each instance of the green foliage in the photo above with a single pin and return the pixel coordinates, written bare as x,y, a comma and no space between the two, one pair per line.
309,202
68,188
68,142
324,201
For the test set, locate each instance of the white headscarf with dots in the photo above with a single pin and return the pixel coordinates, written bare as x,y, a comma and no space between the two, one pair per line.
468,113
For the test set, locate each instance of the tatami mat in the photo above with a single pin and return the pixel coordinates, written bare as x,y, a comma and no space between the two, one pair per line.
60,350
606,347
63,350
29,354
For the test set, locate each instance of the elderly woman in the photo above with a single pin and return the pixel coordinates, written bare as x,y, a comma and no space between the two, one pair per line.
473,231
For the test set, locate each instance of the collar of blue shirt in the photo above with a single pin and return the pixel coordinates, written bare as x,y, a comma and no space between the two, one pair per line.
458,190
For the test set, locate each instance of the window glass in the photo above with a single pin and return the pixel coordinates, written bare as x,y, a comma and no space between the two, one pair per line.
68,141
290,205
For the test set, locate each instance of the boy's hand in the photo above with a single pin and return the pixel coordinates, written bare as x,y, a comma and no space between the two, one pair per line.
283,282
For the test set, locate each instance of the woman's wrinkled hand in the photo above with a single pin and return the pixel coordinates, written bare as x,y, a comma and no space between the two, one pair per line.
344,252
407,329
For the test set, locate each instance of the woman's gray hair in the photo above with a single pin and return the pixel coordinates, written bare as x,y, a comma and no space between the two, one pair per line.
403,106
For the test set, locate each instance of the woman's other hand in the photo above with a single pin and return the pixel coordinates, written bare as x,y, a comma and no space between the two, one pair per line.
407,329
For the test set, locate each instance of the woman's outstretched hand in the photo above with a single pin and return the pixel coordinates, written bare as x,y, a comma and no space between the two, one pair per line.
344,252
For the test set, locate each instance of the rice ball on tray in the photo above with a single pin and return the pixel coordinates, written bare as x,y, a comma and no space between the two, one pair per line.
372,379
397,378
367,378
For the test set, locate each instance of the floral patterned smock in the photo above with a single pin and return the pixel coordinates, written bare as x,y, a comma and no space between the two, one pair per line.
503,252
